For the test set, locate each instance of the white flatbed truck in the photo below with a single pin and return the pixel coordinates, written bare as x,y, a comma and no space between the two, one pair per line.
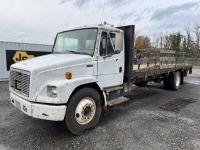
90,68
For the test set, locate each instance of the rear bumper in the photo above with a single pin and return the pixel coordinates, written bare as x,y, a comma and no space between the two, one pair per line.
40,111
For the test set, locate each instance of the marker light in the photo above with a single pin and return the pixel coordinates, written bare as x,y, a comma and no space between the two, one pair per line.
68,75
101,24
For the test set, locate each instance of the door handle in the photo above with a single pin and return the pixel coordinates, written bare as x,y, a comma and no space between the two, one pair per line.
120,69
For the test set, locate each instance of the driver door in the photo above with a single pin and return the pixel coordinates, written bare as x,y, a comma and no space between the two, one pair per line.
110,63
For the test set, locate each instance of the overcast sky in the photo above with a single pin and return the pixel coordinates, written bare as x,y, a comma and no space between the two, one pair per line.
38,21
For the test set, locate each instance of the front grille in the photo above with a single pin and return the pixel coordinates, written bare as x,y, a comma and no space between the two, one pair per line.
20,81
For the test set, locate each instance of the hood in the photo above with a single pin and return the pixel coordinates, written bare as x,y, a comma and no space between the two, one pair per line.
53,66
52,61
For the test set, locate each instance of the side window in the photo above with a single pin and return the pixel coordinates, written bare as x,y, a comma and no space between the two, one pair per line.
112,36
103,44
107,43
110,49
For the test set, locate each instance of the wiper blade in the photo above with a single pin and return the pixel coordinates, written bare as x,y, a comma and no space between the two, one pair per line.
56,52
74,52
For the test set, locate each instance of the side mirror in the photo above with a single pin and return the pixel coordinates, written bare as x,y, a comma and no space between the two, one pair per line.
119,42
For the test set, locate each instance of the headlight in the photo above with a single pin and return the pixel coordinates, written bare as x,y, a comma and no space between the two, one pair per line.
54,90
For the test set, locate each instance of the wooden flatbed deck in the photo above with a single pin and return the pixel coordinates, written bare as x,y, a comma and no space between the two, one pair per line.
159,69
154,63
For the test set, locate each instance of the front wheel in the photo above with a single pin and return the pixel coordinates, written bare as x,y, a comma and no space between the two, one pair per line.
83,110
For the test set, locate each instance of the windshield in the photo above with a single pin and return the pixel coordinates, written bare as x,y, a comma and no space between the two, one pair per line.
76,41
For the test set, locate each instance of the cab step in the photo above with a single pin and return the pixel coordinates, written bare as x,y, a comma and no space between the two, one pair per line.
117,101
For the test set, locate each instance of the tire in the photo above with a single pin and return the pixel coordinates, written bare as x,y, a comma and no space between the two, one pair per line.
142,84
174,81
83,111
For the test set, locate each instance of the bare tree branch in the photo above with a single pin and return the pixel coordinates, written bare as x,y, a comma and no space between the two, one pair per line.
188,31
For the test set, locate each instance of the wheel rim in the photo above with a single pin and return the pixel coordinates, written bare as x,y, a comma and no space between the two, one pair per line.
85,111
178,80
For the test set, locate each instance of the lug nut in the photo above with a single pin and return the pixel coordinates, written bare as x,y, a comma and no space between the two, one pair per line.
77,115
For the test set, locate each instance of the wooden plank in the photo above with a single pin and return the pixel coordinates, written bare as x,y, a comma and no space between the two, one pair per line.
167,51
151,50
167,66
167,59
155,67
180,65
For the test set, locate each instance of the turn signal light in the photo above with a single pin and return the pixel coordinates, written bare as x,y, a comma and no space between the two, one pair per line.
68,75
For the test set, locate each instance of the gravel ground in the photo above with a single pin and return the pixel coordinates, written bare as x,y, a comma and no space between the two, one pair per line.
137,124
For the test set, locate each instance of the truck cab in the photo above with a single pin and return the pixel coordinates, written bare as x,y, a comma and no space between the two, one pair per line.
71,84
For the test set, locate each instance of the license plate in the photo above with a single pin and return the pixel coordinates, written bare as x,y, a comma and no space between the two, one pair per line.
17,104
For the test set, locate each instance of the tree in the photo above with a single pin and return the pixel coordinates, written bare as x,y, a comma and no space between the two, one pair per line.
184,43
161,39
196,30
142,42
175,41
146,42
189,39
157,42
167,42
138,42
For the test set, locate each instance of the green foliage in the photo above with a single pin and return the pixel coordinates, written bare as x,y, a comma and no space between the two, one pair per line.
146,43
175,41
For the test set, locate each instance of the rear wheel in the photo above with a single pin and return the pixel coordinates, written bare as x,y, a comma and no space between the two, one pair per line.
175,81
83,111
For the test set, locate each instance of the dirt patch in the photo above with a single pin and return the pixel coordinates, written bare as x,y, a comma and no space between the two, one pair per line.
177,104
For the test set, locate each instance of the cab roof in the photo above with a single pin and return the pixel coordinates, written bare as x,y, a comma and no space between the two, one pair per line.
104,27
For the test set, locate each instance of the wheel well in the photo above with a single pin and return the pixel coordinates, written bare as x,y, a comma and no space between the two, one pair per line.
91,85
164,75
